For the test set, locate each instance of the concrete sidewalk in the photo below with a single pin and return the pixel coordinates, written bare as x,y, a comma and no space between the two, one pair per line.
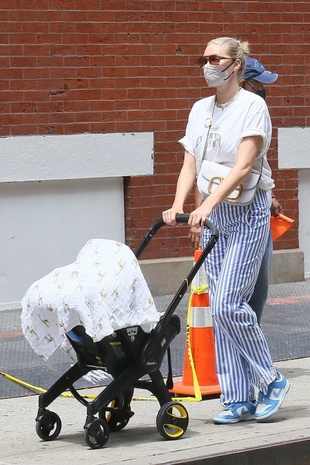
285,439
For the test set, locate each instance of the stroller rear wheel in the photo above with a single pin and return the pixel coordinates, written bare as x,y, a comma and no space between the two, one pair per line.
118,413
172,420
48,426
96,433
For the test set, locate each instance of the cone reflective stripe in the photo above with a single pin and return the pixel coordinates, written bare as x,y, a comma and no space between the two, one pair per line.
200,316
200,363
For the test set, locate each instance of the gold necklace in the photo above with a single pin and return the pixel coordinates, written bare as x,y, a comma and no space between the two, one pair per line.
224,105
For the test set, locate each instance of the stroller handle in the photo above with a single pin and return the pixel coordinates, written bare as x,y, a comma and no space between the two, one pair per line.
184,217
180,218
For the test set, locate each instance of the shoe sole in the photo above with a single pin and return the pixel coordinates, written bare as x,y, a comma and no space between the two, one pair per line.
277,407
233,421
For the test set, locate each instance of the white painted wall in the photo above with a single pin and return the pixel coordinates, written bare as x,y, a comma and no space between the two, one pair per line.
56,192
293,148
304,216
294,153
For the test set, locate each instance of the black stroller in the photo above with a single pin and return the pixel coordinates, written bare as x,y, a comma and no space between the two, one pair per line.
127,355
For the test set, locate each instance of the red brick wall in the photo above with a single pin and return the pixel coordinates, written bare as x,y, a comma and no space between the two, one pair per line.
71,66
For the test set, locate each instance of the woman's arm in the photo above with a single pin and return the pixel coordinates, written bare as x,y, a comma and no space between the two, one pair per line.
185,184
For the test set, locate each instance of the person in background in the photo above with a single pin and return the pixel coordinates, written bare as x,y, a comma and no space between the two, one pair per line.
254,78
235,127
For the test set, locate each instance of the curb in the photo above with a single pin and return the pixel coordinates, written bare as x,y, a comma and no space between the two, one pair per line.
290,453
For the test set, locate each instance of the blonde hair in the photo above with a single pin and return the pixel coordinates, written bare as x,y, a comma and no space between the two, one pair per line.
235,48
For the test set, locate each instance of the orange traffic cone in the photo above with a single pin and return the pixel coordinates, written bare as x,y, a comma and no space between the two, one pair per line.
199,357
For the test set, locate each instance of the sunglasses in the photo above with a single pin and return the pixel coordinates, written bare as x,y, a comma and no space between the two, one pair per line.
212,59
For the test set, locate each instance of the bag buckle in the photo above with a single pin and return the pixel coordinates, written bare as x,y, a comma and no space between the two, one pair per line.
239,190
217,181
212,181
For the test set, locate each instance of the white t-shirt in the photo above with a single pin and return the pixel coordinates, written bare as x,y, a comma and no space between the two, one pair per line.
213,133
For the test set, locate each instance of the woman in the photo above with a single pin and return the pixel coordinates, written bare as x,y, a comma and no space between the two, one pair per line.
233,128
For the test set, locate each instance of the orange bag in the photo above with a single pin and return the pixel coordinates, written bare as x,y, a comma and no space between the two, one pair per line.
279,225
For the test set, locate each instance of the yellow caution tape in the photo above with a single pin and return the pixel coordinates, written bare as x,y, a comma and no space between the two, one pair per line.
197,391
36,388
199,290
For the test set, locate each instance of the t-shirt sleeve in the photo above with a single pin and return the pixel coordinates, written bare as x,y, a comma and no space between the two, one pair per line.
187,139
257,123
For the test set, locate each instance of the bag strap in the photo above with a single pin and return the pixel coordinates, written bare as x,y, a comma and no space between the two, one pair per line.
208,124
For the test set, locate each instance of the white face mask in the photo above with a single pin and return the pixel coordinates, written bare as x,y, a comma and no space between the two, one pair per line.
216,75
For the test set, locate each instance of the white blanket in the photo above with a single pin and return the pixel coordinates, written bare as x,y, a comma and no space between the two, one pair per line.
103,290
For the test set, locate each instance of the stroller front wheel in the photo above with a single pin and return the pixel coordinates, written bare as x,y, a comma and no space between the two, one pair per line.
172,420
48,426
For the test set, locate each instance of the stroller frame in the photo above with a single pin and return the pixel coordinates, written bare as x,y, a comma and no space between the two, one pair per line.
128,355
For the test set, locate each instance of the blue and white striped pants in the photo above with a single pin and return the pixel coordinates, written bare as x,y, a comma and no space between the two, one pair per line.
243,359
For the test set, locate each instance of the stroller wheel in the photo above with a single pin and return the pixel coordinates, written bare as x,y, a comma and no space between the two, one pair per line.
115,421
118,413
172,420
96,433
48,426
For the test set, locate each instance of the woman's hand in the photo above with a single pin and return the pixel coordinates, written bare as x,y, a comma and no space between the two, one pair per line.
194,236
198,216
276,208
169,215
194,232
